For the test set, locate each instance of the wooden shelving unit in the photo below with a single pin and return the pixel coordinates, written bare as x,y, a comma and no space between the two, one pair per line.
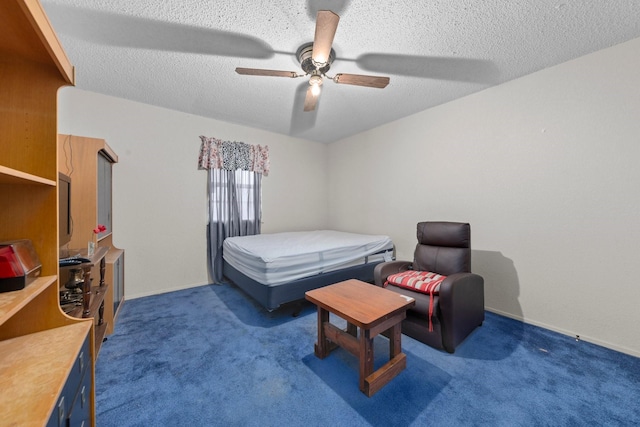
84,159
39,344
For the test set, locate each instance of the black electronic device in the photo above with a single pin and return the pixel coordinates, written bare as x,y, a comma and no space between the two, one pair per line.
73,260
69,262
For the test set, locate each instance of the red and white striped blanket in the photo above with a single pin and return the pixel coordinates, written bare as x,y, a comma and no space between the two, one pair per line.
425,282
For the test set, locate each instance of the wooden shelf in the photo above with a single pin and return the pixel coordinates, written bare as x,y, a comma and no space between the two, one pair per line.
113,255
12,302
94,259
29,379
97,297
12,176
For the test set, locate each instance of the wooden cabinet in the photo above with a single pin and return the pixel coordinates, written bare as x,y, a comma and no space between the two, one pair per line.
104,191
114,276
39,344
86,298
88,162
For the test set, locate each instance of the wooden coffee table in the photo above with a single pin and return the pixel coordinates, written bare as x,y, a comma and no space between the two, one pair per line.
372,309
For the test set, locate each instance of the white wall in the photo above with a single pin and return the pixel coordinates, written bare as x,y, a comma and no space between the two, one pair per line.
542,167
159,196
545,168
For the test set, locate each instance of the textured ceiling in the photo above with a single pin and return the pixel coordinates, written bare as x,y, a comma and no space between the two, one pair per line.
181,54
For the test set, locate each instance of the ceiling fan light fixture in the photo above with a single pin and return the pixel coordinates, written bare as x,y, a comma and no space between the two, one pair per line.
315,80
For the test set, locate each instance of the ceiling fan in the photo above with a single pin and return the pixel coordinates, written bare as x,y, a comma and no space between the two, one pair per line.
315,60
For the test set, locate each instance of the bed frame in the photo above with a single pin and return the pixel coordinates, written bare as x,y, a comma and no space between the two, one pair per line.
272,297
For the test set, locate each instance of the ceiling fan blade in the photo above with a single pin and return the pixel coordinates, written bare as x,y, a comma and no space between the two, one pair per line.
261,72
310,99
360,80
326,26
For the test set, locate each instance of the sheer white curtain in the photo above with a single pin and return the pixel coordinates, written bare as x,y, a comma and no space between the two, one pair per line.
234,171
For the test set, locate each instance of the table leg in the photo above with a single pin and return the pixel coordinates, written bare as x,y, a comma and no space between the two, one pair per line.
397,362
395,340
322,346
366,359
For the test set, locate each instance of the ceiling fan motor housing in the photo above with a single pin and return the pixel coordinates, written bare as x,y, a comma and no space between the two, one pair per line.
306,61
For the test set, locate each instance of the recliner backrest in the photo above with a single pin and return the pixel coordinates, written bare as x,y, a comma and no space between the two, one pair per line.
443,247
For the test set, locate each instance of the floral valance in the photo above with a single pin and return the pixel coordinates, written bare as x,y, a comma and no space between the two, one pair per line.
232,155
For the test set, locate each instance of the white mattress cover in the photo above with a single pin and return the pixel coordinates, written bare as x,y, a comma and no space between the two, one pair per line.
278,258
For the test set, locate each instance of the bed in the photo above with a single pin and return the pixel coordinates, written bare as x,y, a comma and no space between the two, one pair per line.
279,268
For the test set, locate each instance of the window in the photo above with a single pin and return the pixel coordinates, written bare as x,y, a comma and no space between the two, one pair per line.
234,195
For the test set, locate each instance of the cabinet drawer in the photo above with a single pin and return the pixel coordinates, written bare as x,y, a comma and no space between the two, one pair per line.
72,386
83,360
79,414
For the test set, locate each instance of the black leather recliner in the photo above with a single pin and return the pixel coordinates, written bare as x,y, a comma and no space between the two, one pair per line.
443,248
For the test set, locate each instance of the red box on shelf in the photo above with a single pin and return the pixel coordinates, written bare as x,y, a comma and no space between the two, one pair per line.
19,265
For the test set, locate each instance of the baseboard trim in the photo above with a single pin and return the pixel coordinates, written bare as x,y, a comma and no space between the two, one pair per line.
164,291
570,334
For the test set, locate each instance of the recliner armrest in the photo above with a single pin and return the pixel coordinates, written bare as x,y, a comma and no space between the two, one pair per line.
461,306
460,286
386,269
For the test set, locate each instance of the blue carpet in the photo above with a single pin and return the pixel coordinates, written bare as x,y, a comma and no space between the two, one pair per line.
210,356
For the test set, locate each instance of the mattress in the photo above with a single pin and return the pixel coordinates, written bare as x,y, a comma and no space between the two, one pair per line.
274,259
